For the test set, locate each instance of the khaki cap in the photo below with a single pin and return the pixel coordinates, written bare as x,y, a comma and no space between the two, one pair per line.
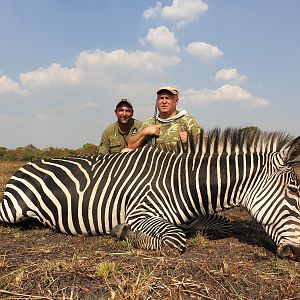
124,101
171,89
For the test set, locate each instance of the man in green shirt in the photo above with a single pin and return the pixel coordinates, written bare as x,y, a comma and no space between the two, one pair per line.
115,136
169,127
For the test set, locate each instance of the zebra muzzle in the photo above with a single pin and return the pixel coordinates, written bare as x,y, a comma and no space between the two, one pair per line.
120,231
288,251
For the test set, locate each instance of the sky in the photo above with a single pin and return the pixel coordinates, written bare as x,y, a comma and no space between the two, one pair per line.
65,64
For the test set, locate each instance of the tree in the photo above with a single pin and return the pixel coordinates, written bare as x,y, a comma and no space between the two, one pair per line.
88,149
3,151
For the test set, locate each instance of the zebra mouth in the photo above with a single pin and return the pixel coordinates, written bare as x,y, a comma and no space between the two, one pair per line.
288,251
120,231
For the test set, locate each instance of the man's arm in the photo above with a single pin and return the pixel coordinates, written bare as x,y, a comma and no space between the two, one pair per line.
137,140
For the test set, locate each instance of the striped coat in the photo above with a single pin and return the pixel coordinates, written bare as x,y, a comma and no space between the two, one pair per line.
148,196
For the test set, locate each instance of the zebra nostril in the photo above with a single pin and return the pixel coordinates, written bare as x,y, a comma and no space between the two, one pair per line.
120,231
287,251
284,251
296,253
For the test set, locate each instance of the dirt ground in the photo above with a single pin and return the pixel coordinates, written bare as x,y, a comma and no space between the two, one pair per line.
38,263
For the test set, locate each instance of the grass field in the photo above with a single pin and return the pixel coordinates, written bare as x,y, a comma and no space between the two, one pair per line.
38,263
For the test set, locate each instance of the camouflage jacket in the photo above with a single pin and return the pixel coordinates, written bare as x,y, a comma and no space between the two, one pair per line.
170,129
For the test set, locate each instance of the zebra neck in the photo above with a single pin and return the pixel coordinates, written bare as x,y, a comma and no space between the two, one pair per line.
224,181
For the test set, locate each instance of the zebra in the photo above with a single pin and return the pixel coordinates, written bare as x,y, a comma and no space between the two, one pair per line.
152,197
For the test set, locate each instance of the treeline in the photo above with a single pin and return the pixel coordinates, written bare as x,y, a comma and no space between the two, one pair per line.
31,153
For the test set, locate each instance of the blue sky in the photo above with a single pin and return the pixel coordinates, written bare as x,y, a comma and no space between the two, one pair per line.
64,64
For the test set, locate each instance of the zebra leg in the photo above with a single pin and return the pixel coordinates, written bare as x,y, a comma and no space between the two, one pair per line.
137,239
215,225
151,233
141,240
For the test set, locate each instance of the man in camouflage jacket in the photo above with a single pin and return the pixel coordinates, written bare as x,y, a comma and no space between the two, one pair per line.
169,127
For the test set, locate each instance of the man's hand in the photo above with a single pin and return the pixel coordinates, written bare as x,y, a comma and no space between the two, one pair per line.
152,130
137,140
183,136
126,150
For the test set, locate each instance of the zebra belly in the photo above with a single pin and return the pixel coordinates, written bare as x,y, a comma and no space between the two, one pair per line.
71,207
76,217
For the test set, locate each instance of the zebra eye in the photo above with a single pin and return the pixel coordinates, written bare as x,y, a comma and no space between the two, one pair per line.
293,189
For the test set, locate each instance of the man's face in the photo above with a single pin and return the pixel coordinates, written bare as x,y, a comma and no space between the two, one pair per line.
166,103
124,113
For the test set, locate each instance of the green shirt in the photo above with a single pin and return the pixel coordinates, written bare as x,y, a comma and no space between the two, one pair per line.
169,131
113,140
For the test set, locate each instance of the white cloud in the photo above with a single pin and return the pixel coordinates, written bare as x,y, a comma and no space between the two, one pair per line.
225,93
203,51
162,39
8,86
120,59
231,75
53,76
96,70
152,12
181,11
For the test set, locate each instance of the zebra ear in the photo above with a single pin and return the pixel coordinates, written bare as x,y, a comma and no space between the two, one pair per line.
292,154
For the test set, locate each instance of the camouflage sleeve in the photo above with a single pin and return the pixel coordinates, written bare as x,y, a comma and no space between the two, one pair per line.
147,123
192,126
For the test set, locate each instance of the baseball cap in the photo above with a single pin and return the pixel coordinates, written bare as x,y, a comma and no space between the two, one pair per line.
170,89
124,101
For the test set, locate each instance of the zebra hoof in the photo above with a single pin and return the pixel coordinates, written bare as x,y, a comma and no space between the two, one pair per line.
120,231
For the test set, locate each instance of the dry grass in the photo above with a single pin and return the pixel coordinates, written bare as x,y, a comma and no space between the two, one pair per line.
42,264
6,170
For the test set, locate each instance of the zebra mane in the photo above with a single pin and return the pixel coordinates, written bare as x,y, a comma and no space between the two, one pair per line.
236,139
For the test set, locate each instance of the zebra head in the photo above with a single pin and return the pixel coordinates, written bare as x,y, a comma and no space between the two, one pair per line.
277,202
